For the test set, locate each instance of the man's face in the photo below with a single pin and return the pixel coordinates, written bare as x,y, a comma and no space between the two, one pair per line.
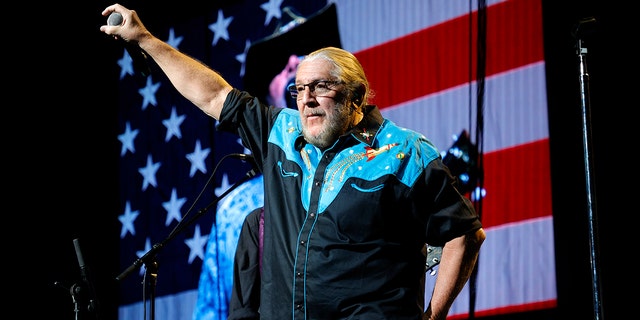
324,114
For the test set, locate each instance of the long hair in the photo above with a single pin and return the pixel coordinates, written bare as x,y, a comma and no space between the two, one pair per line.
347,69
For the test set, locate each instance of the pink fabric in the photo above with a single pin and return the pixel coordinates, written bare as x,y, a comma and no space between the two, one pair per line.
261,235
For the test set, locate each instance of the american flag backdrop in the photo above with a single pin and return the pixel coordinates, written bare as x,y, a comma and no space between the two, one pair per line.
440,67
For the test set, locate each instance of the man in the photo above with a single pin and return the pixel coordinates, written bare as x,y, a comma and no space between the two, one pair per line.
350,198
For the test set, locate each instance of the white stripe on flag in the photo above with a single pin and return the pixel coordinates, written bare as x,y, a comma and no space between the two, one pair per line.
515,111
364,24
512,256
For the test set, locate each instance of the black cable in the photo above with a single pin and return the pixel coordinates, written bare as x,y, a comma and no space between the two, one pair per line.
234,155
480,91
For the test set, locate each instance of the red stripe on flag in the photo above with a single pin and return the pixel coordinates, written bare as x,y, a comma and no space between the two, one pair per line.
540,305
517,184
405,68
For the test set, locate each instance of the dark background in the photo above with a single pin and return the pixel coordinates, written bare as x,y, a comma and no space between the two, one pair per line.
65,149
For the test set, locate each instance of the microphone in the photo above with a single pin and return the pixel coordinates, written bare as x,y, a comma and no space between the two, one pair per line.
86,277
138,56
583,27
248,158
242,156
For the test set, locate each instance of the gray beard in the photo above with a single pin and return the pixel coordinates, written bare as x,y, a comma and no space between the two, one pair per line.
336,124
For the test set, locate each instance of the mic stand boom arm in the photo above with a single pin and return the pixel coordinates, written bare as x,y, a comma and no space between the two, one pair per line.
149,256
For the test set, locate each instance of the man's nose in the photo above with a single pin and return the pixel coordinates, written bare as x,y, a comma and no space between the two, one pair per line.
305,97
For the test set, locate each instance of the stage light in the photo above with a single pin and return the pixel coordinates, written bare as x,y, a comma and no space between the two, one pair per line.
461,158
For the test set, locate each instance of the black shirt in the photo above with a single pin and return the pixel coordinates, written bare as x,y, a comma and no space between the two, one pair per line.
344,227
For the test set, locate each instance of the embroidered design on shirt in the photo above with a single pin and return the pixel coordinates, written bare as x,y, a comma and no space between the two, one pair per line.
372,153
286,173
341,167
366,135
305,159
344,164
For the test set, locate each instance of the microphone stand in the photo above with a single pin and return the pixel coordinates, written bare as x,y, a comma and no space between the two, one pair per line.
77,297
82,293
586,137
149,258
75,292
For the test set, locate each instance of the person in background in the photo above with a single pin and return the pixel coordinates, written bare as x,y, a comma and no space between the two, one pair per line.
350,197
278,86
245,292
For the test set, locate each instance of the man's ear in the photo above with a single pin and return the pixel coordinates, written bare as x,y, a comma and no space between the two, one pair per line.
358,94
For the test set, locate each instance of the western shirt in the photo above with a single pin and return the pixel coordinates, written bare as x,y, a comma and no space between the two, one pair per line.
344,226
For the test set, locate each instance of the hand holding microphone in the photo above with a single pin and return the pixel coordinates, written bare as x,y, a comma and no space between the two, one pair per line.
115,19
138,56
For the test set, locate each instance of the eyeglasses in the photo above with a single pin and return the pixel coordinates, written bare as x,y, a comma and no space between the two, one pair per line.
317,87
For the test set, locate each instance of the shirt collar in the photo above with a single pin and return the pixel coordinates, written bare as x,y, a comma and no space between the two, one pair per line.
367,129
